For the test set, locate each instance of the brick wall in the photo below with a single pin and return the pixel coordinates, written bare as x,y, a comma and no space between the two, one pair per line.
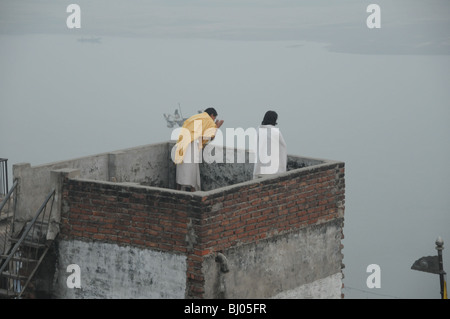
199,225
138,216
257,211
253,212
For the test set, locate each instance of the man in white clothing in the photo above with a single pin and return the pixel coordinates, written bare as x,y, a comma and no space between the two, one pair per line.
271,155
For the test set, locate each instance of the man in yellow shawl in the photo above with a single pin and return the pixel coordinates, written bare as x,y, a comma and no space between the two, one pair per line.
196,132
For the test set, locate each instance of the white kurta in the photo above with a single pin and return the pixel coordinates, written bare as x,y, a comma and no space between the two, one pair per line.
271,154
188,172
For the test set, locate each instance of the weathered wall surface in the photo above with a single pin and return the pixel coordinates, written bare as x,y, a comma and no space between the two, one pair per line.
220,166
145,164
34,183
281,267
232,166
113,271
325,288
127,214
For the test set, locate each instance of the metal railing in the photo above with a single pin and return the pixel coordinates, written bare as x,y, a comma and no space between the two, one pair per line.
25,253
7,208
3,176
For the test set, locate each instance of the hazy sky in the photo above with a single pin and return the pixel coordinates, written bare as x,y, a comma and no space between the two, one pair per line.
408,26
376,99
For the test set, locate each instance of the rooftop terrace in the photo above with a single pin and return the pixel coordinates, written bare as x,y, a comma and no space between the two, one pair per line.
127,198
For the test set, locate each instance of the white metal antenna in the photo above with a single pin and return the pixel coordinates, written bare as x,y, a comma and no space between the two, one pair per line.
181,114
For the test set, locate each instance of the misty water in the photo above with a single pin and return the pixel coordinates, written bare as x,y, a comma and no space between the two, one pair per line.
385,114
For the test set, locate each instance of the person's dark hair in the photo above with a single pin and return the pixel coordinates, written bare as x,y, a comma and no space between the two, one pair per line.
270,118
211,111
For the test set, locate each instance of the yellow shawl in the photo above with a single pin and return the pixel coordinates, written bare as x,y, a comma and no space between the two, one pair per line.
199,125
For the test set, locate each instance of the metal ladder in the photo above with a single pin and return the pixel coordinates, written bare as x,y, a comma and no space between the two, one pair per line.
21,255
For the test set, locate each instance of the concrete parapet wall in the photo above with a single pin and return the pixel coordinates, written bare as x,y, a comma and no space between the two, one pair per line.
110,271
149,165
140,164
